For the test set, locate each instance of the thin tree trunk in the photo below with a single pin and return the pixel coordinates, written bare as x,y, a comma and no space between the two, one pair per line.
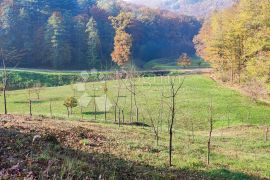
105,114
30,107
81,112
210,133
171,130
131,106
68,112
115,113
4,82
5,99
192,129
51,108
137,114
266,133
95,106
119,117
123,117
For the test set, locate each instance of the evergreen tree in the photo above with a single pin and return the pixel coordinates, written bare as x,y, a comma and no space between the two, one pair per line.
58,48
79,42
93,43
7,24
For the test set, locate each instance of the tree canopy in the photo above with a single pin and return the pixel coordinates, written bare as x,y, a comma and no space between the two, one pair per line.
236,41
77,34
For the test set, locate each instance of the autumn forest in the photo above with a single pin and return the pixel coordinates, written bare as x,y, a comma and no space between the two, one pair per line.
135,89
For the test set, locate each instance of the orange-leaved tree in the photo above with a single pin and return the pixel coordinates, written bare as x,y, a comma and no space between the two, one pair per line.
184,60
122,40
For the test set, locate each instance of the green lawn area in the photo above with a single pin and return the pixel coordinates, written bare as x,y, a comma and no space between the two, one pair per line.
170,64
239,149
230,107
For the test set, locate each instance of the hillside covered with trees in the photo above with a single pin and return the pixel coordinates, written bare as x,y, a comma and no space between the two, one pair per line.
236,42
77,34
197,8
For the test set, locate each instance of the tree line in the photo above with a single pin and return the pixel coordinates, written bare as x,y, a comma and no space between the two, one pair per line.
236,41
70,34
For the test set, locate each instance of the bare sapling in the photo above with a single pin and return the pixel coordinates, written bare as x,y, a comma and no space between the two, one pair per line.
51,108
131,87
81,111
30,107
8,57
95,104
210,120
123,116
37,90
105,89
116,101
266,133
266,121
174,90
154,123
161,112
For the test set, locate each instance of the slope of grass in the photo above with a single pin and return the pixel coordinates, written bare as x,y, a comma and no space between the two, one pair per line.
230,107
170,64
72,149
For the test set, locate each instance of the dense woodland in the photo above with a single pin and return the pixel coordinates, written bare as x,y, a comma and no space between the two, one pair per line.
77,34
236,41
198,8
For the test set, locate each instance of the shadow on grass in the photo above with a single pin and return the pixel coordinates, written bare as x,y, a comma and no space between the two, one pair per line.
36,101
49,158
263,103
93,113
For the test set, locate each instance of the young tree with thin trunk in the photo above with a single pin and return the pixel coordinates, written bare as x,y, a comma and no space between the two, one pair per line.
105,89
210,120
174,90
116,100
70,103
95,104
8,56
133,94
37,89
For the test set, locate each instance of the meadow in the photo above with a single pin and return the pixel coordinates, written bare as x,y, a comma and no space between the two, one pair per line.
240,149
171,63
230,107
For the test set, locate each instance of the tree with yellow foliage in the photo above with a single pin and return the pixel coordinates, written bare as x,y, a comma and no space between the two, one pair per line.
122,40
236,41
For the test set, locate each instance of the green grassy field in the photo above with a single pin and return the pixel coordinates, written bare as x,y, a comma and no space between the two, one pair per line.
239,148
170,64
192,103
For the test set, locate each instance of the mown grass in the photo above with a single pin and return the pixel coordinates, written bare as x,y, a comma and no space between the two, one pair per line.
171,64
230,107
239,149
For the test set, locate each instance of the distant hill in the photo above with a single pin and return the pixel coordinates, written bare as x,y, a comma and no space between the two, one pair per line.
198,8
58,34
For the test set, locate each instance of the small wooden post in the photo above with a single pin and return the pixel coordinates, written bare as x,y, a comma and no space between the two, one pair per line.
68,112
30,107
123,115
137,114
51,108
82,112
115,113
119,118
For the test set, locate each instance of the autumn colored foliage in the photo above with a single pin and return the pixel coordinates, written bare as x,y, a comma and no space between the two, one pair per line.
122,40
184,60
236,42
